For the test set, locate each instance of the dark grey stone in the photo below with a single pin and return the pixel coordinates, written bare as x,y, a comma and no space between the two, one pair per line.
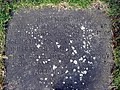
57,49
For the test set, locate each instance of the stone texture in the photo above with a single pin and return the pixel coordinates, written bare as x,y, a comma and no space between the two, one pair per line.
57,49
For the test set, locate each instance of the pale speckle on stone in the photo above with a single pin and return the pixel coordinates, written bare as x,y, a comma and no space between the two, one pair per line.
75,51
44,62
82,27
66,71
60,61
94,58
66,77
71,41
81,74
46,79
75,82
66,49
58,46
84,42
72,47
48,59
71,60
41,36
38,46
51,82
84,72
83,83
35,30
54,67
52,74
37,60
81,59
63,82
80,78
90,62
57,43
74,70
75,62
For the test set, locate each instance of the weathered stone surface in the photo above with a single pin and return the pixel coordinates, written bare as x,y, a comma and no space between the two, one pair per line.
52,49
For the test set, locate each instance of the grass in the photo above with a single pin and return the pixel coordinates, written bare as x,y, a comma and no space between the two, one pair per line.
7,8
114,13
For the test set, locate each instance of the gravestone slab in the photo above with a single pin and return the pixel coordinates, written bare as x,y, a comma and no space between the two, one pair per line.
58,49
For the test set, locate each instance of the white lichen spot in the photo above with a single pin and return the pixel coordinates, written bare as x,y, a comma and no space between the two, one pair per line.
41,36
57,43
42,43
90,30
39,57
41,78
66,77
35,30
78,67
75,51
52,74
51,82
93,34
75,82
71,60
87,51
84,42
46,79
84,72
86,68
84,60
35,38
37,60
83,35
60,61
54,67
94,58
66,71
63,82
72,47
43,62
84,46
58,73
81,59
88,42
90,62
82,27
84,56
38,45
48,59
75,62
43,54
74,70
26,31
80,78
58,46
83,83
66,49
71,41
81,75
78,71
